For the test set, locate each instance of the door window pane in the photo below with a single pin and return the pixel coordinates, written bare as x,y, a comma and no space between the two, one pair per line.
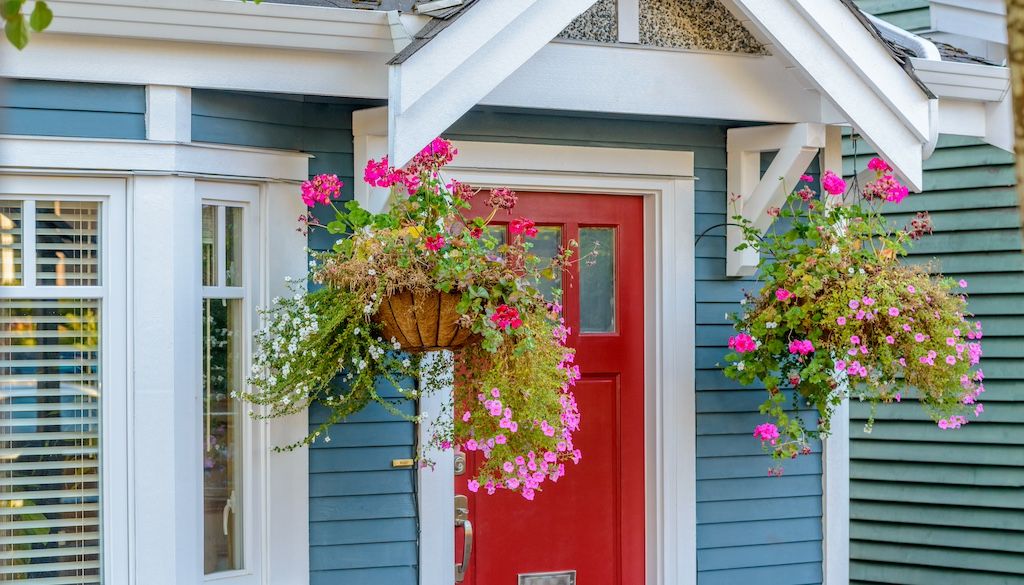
209,245
67,243
233,243
597,280
546,246
222,439
10,243
49,438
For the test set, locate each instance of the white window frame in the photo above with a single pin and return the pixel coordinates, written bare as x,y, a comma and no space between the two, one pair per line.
111,292
160,220
246,197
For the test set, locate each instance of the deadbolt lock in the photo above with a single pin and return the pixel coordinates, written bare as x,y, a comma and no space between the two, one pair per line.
460,463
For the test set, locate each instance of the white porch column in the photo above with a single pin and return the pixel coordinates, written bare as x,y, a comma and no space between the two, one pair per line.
165,299
369,141
835,477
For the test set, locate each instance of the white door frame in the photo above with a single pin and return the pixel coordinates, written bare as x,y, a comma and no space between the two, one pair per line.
665,180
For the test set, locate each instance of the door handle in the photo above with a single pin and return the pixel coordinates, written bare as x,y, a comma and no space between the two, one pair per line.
229,506
462,519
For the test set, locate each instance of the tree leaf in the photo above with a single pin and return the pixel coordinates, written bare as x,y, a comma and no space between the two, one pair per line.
10,9
41,17
17,32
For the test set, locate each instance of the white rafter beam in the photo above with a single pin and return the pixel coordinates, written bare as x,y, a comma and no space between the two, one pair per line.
438,83
797,145
854,71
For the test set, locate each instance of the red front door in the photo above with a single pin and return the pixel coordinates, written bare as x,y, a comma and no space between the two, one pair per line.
592,521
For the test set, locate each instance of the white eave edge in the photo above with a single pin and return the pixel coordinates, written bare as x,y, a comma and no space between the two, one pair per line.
854,71
231,22
433,87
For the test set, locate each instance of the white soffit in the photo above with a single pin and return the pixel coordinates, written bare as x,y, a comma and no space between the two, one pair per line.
632,80
853,70
433,87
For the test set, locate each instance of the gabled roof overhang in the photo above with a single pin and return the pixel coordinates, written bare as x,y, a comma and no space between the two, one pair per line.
432,84
823,40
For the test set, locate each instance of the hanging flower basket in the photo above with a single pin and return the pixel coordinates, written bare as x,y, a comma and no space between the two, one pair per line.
421,277
423,321
838,316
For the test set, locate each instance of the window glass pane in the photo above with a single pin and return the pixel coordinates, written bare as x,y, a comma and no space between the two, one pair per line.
209,245
222,439
497,232
10,243
545,247
49,441
597,280
67,243
233,244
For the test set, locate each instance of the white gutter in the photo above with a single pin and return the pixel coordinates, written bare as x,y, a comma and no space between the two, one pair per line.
926,50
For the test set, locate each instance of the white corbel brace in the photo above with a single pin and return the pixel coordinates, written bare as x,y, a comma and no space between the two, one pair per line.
433,87
797,145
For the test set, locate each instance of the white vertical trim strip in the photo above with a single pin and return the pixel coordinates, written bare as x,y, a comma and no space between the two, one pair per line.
220,233
28,243
835,473
629,21
435,494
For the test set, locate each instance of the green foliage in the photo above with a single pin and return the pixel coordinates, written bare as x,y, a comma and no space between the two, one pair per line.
514,377
17,23
837,315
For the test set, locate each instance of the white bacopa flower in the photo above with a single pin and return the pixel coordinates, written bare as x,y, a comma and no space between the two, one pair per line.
327,439
850,270
357,331
406,363
743,301
372,272
771,325
741,366
287,279
368,309
727,315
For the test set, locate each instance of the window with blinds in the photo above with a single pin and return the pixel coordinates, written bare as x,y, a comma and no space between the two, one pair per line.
50,391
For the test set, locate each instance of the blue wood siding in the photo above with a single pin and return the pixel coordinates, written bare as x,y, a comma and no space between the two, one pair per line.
60,108
751,528
362,527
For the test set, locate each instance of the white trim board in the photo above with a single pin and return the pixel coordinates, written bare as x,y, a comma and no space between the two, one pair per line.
227,22
151,157
665,180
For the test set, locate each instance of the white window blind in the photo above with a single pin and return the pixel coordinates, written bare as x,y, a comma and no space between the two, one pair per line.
50,389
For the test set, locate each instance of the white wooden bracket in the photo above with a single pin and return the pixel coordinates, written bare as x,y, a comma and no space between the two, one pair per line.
797,145
432,84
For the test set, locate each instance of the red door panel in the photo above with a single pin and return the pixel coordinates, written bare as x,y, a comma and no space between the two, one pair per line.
592,520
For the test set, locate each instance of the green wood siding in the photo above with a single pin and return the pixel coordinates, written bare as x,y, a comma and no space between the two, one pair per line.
909,15
931,506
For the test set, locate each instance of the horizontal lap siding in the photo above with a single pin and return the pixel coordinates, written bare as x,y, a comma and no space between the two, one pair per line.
751,528
909,15
362,528
84,110
931,506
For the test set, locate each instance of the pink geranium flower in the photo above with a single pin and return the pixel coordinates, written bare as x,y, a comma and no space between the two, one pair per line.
833,183
321,189
434,243
522,226
505,316
783,294
742,343
766,432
